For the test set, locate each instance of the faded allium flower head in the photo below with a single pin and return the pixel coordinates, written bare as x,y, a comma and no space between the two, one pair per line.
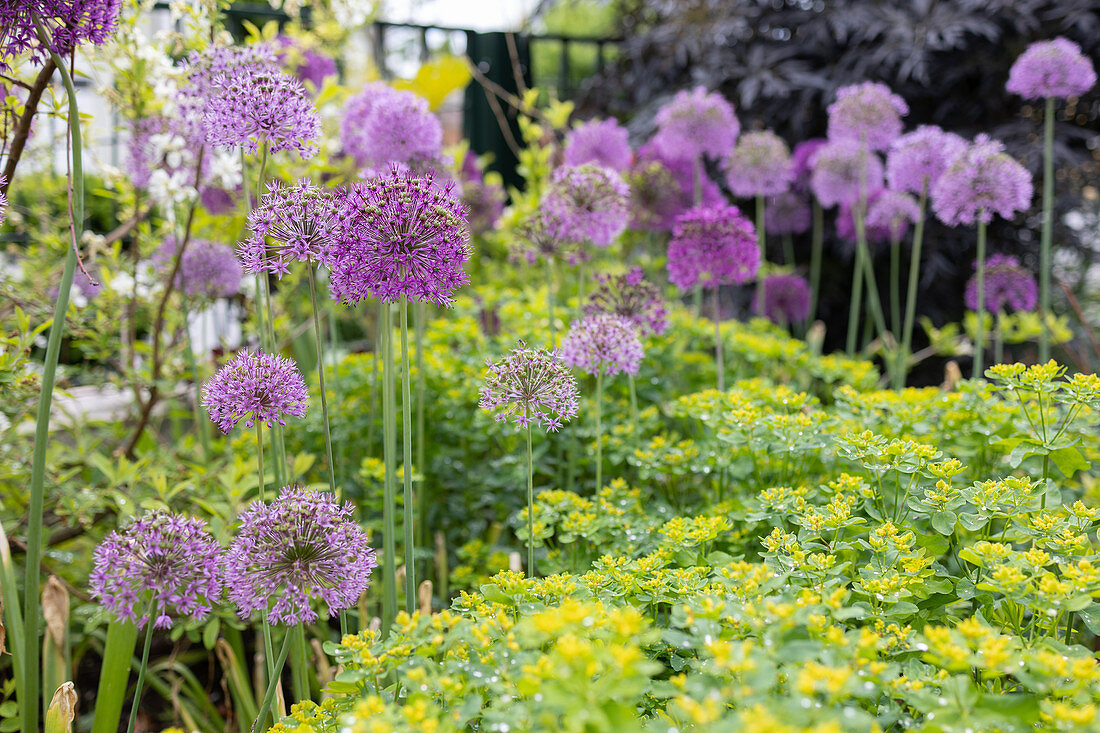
169,559
760,165
892,212
252,387
383,125
841,169
662,188
589,204
981,181
1008,286
1054,68
802,159
712,246
601,142
696,123
788,213
920,157
603,343
868,113
786,299
538,239
206,269
68,23
530,386
302,547
305,62
292,223
256,106
400,237
630,297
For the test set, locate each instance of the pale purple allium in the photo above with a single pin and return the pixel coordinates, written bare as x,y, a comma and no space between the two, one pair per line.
261,106
252,387
1008,286
530,386
353,124
601,142
205,71
603,343
1054,68
590,204
68,23
304,62
892,212
696,123
786,299
981,181
217,200
841,169
868,113
629,296
802,160
293,223
760,165
302,547
401,237
383,125
169,559
712,246
207,269
3,201
788,213
920,157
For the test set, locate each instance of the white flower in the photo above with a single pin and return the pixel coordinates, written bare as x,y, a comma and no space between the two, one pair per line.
122,284
225,170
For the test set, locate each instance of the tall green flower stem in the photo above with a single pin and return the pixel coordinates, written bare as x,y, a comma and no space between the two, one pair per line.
874,302
550,301
817,243
530,499
300,664
762,246
979,338
788,250
272,683
141,670
633,404
998,339
895,285
407,464
321,380
853,305
201,423
718,359
599,427
1047,230
260,476
418,317
389,458
902,369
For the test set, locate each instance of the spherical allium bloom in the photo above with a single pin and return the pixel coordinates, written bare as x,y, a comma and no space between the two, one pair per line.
1008,286
981,181
206,269
300,548
1054,68
400,237
786,299
166,558
252,387
712,246
601,142
68,23
262,106
892,212
205,72
802,158
696,123
383,125
603,343
919,158
293,223
304,62
530,386
589,203
760,165
662,188
538,239
630,297
841,170
788,213
356,114
868,113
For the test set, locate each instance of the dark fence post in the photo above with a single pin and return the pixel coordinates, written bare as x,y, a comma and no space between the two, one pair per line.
489,53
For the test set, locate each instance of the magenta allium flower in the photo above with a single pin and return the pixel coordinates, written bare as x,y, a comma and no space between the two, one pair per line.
207,269
1008,286
841,169
981,181
530,386
601,142
68,23
603,343
920,157
1054,68
590,204
868,113
786,299
712,246
760,165
892,212
166,558
302,547
696,123
261,106
353,124
630,297
383,125
788,213
802,159
293,223
252,387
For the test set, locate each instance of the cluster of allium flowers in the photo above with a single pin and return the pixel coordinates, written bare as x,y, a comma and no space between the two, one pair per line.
589,203
979,182
206,269
204,72
304,62
530,386
1054,68
601,142
252,387
1008,286
603,343
892,212
802,159
786,299
262,106
298,222
629,296
300,548
401,237
382,125
920,157
169,559
68,23
712,246
868,113
696,123
842,169
788,213
760,165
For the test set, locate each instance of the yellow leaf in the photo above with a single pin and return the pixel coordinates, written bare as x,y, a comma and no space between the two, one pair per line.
436,80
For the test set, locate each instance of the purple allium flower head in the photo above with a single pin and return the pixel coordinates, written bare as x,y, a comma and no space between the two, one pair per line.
868,113
696,123
630,297
293,223
712,246
304,62
303,546
166,558
1008,286
530,386
68,23
353,124
760,165
892,212
802,159
920,157
207,269
602,142
981,181
590,204
603,343
788,213
538,239
261,106
400,237
662,188
3,201
786,299
1054,68
840,168
383,125
253,387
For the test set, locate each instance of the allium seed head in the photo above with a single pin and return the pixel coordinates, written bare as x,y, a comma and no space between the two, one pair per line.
600,142
1054,68
530,386
253,387
630,297
712,246
868,113
603,343
760,165
1008,286
696,123
589,204
981,181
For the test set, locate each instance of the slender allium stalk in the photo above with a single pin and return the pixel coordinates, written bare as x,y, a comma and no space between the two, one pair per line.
601,142
696,123
760,165
261,106
588,204
1008,286
867,113
841,170
891,213
786,299
382,125
630,297
255,388
208,270
66,23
